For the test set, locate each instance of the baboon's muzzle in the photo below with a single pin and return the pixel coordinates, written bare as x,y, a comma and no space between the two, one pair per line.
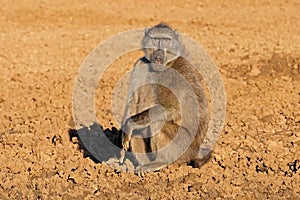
158,56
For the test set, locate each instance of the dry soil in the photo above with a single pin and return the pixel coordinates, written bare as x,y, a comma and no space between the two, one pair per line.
255,44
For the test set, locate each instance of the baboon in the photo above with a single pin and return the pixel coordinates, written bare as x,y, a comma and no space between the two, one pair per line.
155,111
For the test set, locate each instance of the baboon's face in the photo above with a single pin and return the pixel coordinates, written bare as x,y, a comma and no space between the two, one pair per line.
161,46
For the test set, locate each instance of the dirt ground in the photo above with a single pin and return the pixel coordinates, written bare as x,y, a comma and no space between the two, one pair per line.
255,44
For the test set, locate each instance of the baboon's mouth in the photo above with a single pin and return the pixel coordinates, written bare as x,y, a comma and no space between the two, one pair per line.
158,56
158,61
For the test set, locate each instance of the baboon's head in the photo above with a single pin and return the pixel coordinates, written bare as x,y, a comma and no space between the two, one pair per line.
161,46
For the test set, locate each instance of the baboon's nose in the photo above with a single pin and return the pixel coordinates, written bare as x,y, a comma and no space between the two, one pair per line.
158,56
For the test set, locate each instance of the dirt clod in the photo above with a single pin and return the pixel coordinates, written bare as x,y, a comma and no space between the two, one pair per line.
255,44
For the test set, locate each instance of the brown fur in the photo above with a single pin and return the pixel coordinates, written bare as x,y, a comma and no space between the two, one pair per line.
165,97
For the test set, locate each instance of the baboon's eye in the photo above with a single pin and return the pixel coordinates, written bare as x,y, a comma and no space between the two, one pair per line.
155,42
161,43
164,42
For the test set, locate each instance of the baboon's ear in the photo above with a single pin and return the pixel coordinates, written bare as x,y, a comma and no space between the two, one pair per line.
176,34
146,30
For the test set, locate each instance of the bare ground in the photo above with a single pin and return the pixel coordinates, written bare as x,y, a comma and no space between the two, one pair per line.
256,46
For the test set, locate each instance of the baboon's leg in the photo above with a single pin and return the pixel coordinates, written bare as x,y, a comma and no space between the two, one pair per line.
205,157
161,158
139,121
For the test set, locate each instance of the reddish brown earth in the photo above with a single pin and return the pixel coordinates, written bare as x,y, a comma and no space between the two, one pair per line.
255,44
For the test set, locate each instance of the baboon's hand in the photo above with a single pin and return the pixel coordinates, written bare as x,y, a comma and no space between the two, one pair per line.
127,133
126,137
126,140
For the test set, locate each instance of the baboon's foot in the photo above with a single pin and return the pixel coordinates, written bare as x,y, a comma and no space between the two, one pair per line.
152,166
